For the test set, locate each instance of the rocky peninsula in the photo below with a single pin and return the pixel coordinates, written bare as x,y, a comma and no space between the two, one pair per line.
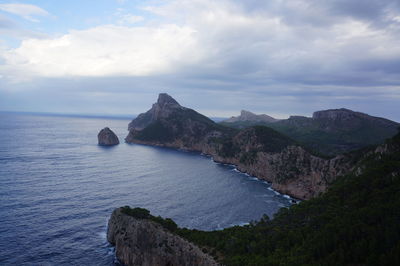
140,241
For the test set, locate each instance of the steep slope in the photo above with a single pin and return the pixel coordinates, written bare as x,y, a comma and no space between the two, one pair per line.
356,222
169,124
267,154
259,151
332,132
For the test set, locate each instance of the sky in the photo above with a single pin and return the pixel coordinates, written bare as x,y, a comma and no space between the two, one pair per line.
281,58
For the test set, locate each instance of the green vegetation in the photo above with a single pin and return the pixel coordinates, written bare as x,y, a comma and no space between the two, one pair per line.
356,222
155,131
141,213
271,140
326,137
228,148
263,139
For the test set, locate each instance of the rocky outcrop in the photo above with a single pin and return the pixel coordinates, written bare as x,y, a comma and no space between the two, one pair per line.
146,243
250,117
107,137
259,151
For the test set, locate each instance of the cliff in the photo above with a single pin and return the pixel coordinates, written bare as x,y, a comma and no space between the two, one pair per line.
259,151
266,154
140,241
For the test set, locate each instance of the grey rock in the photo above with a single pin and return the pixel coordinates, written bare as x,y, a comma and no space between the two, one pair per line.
107,137
146,243
249,116
164,106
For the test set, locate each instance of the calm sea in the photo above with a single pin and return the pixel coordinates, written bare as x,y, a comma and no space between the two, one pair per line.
58,189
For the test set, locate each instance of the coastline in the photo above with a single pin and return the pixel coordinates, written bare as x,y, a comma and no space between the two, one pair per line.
289,196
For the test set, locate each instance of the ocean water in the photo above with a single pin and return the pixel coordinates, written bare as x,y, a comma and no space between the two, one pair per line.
58,189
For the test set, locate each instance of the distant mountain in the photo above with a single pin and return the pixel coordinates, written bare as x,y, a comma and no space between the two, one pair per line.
258,150
331,132
251,117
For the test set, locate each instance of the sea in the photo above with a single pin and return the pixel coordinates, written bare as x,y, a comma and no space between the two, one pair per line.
58,189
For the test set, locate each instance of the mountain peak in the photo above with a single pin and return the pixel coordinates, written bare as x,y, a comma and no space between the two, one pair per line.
245,112
165,99
248,116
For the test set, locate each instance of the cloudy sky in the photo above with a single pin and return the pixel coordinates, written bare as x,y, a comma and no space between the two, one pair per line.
275,57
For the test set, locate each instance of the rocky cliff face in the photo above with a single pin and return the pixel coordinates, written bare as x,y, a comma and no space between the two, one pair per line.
249,116
143,242
290,168
259,151
107,137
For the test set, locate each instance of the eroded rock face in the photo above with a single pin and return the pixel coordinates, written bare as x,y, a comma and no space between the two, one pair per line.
107,137
146,243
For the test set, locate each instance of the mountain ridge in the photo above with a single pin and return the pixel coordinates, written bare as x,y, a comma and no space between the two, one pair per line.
331,132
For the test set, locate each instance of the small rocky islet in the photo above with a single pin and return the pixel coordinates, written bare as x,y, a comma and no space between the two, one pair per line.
107,137
268,154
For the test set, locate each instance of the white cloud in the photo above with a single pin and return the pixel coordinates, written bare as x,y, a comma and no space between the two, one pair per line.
26,11
106,50
220,41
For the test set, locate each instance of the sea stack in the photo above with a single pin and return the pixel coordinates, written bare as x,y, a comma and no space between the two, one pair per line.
107,137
